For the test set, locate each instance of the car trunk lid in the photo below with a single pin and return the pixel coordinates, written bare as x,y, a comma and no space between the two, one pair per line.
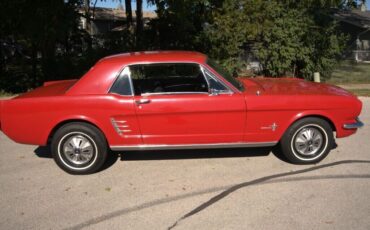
53,88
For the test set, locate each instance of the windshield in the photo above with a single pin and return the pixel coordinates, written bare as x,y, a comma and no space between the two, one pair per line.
220,70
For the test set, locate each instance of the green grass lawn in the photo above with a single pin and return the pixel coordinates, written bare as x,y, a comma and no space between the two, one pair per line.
349,72
4,94
360,92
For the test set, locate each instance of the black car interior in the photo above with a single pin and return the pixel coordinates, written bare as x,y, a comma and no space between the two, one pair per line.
168,78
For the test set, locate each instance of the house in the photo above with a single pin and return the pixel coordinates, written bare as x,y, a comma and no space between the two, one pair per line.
356,23
104,20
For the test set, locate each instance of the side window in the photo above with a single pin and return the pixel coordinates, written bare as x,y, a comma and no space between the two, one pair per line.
214,83
168,78
122,84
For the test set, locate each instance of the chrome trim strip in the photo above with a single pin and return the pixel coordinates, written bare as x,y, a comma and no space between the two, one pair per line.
131,82
220,77
193,146
172,93
202,65
356,125
122,122
121,126
206,72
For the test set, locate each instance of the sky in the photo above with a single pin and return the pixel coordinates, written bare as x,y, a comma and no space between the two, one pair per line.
114,4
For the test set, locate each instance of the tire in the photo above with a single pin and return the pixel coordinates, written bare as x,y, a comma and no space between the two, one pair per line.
79,148
307,141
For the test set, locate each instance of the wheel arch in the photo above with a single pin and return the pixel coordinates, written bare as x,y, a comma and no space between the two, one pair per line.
324,117
72,120
286,141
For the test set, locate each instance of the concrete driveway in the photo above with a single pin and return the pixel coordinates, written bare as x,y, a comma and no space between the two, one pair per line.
203,189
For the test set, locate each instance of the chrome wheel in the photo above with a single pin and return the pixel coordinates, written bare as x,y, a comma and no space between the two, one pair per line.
78,149
308,141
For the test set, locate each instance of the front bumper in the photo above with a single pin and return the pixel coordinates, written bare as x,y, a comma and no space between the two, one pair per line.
354,125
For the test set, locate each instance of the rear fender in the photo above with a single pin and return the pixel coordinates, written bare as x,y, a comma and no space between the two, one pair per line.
77,118
1,110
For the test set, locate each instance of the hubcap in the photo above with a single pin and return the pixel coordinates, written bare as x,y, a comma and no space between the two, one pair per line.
78,149
308,141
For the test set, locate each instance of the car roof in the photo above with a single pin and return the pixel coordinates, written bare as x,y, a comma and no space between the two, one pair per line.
156,56
99,78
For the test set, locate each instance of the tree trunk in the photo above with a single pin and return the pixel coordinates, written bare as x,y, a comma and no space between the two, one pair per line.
34,62
128,13
2,59
88,24
139,23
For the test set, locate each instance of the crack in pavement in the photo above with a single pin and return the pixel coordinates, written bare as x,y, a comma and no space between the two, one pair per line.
236,187
295,179
144,206
226,191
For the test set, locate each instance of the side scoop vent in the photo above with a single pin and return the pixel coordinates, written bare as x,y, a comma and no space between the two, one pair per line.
120,126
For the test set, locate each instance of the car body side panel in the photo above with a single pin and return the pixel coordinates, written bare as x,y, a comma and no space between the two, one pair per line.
265,111
97,80
30,121
192,119
261,113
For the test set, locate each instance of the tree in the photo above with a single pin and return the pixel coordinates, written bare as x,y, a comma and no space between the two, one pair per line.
139,23
128,13
289,38
88,15
180,23
38,29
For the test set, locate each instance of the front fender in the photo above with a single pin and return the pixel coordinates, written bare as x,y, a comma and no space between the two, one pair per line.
336,118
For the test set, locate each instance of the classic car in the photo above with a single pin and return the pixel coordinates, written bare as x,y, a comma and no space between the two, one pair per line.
177,100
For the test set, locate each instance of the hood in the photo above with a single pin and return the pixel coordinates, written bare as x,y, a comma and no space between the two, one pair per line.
291,86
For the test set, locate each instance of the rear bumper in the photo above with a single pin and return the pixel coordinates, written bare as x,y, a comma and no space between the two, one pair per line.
353,125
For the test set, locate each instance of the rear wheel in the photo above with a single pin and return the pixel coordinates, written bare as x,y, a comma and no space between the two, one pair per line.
307,141
79,148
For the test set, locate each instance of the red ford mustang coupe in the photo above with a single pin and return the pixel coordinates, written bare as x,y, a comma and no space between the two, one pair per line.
176,100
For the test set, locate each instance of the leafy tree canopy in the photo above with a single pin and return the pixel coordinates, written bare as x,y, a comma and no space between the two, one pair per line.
289,37
42,40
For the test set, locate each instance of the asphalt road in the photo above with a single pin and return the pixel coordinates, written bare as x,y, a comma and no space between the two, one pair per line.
203,189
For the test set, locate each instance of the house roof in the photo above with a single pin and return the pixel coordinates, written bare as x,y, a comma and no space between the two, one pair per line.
355,17
114,14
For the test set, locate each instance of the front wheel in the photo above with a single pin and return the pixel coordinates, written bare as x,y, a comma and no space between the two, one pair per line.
79,148
307,141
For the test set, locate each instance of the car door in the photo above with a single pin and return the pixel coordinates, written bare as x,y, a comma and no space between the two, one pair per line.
120,110
181,103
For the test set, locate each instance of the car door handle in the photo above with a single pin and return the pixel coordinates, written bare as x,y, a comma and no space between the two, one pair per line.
142,101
